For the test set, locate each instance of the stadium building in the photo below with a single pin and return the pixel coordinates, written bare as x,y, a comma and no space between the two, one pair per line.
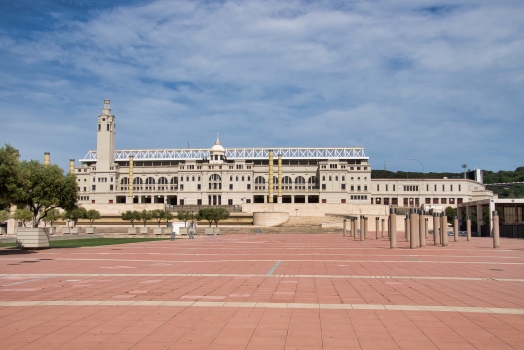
236,176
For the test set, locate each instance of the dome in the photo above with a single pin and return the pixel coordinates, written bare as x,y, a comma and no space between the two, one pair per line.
217,147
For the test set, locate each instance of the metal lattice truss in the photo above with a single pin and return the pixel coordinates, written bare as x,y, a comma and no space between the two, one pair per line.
235,153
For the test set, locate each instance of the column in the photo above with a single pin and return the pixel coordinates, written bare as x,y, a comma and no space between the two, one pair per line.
444,230
436,229
392,230
377,224
279,179
495,233
456,228
468,228
361,227
479,218
365,227
344,227
491,210
355,224
406,228
459,215
383,223
270,182
422,229
413,219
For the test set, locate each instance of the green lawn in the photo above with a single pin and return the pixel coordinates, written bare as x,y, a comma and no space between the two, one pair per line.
73,243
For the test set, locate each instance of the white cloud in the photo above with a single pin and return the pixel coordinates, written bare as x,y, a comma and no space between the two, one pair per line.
423,78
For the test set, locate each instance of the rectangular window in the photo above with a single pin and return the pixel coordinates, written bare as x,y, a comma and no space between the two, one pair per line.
93,187
336,178
84,189
365,188
393,188
342,201
435,188
323,186
92,201
110,187
358,188
110,201
343,186
248,186
181,178
443,188
451,188
181,187
107,127
427,188
443,200
99,127
199,187
236,178
378,187
352,188
323,201
386,188
187,178
330,178
242,178
435,200
192,178
371,200
199,178
343,178
323,178
460,188
230,186
249,178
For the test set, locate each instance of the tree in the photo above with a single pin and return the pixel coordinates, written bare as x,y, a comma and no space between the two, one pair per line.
158,215
92,215
23,215
52,216
168,217
451,213
194,218
145,215
43,188
213,215
9,175
219,214
131,216
4,215
184,216
75,214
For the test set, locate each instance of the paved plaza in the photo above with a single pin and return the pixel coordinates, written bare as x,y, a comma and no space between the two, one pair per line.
289,291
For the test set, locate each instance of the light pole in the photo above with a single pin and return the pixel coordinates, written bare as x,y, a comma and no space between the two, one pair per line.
464,166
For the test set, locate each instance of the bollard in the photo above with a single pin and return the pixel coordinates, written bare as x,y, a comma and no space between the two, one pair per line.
413,219
406,228
422,229
468,228
436,229
392,230
456,228
377,221
383,223
344,232
444,229
496,236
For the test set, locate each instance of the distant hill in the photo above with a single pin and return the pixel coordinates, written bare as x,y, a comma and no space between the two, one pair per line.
490,177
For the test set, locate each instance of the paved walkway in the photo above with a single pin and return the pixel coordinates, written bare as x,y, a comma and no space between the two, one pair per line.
264,292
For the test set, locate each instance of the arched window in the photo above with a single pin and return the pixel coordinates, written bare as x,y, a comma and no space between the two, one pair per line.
174,183
215,182
124,181
260,183
150,181
162,181
286,183
312,183
137,181
300,183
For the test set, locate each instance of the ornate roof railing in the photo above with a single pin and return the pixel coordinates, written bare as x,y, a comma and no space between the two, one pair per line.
236,153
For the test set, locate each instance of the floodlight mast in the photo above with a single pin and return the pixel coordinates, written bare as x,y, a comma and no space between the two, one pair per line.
464,166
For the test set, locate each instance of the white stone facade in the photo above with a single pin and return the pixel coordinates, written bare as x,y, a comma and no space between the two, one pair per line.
220,176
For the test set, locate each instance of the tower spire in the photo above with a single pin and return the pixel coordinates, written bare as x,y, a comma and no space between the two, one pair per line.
218,141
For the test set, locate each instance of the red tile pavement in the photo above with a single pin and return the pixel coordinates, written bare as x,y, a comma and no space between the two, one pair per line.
265,292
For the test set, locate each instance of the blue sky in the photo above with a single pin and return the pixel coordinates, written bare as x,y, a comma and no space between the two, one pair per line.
437,81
